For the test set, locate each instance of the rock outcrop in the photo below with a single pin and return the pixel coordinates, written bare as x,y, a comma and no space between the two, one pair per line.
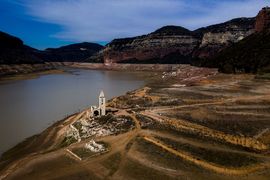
251,55
174,44
165,42
263,20
217,37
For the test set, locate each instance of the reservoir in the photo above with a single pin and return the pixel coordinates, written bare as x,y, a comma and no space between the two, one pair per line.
30,106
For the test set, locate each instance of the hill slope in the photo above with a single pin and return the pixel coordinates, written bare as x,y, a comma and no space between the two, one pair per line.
175,44
249,55
74,52
13,51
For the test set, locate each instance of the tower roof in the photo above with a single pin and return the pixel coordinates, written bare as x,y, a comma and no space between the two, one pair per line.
101,94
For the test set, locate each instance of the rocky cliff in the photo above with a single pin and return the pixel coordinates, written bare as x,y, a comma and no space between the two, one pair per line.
174,44
263,20
250,55
217,37
158,45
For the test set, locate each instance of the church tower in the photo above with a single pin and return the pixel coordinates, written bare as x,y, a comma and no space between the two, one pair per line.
102,104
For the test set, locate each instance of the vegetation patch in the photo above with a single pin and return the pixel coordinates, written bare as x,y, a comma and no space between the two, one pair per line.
162,157
112,163
228,122
199,138
145,122
68,140
263,76
139,171
127,124
223,158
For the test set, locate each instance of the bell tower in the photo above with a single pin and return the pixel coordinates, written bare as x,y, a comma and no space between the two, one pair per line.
102,104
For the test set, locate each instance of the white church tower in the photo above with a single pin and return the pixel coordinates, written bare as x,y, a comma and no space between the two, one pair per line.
102,104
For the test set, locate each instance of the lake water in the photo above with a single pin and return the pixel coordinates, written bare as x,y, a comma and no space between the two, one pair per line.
30,106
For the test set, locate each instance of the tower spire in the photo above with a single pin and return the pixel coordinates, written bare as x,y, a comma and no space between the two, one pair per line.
102,103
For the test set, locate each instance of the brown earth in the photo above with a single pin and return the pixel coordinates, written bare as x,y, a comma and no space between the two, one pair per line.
212,126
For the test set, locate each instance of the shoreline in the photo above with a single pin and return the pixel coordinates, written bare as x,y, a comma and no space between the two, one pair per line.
92,66
11,78
9,70
160,110
130,67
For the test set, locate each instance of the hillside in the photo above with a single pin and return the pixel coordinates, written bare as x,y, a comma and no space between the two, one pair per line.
252,54
175,44
13,51
249,55
74,52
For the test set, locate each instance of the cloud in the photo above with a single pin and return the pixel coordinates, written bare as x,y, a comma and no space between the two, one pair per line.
104,20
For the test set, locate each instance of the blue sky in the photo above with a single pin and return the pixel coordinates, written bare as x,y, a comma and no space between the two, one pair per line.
52,23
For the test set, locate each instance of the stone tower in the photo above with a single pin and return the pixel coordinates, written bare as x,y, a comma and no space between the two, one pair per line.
102,104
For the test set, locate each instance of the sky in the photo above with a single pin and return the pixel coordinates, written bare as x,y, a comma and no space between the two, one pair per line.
53,23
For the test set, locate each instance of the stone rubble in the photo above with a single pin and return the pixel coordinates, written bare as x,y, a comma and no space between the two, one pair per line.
94,147
86,128
73,132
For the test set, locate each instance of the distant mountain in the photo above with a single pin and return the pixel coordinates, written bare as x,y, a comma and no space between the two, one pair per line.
175,44
250,55
74,52
13,51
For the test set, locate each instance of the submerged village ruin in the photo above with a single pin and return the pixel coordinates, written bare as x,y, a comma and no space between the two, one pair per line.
83,126
97,122
190,122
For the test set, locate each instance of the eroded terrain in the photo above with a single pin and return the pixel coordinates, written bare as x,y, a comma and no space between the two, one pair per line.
188,124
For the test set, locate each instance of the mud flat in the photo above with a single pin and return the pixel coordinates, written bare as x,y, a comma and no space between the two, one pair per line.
188,123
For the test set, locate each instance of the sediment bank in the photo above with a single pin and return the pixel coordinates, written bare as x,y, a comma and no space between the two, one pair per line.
17,69
129,67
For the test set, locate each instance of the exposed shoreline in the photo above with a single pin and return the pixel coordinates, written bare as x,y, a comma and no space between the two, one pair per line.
175,114
129,67
9,71
95,66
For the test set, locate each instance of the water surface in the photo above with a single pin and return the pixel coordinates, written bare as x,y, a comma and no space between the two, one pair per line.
29,106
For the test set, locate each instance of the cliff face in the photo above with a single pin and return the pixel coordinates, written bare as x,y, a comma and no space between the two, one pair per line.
263,20
217,37
157,45
250,55
173,44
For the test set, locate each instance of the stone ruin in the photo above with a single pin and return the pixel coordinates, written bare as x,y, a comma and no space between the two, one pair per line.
94,147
